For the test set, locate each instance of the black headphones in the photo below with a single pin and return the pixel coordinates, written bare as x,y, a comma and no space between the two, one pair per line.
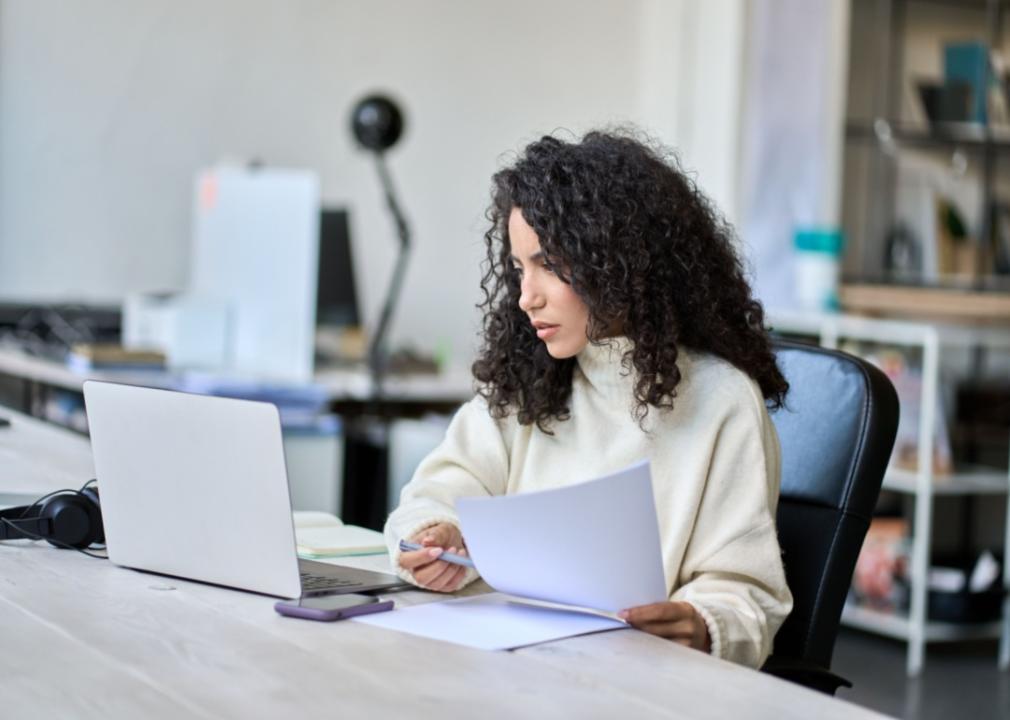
66,518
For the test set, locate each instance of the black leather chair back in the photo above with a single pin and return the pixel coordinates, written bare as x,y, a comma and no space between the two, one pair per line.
837,430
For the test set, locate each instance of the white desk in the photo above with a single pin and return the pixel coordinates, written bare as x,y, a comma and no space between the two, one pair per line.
83,638
39,457
454,386
359,488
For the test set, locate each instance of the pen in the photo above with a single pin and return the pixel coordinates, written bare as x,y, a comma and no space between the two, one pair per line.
448,557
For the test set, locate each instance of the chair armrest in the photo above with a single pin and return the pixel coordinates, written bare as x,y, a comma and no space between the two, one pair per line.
805,673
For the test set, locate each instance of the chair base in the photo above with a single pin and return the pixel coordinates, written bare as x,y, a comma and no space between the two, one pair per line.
806,674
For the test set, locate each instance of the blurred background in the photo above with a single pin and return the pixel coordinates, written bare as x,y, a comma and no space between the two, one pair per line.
110,109
183,203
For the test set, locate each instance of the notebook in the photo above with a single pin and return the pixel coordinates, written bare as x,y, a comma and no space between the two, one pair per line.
196,487
323,535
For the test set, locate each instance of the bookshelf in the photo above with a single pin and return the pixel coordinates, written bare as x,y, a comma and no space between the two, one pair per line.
926,186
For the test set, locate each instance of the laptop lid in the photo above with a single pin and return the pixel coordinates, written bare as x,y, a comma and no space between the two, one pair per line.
194,486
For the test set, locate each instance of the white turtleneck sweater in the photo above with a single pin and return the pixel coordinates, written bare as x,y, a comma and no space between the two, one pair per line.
715,475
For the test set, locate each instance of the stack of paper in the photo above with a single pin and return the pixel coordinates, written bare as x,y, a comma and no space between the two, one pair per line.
491,622
555,546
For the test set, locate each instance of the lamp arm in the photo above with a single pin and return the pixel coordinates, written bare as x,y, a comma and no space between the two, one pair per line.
377,352
402,230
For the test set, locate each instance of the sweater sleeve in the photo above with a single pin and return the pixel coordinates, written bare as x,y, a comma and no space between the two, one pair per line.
471,461
732,572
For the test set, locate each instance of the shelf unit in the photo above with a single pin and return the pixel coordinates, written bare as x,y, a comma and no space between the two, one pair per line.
967,135
921,484
899,627
935,303
887,57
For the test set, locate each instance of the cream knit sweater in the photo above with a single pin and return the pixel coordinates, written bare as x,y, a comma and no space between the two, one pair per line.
715,474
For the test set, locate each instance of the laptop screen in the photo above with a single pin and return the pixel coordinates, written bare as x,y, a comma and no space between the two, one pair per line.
194,486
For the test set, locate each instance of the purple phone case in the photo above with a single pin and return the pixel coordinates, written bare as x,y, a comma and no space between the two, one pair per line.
285,608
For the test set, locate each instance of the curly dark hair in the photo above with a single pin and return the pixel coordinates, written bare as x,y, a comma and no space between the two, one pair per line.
646,252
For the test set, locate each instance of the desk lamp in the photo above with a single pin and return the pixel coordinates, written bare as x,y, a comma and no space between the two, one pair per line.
377,124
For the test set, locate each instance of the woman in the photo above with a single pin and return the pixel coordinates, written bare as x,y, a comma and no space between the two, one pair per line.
619,327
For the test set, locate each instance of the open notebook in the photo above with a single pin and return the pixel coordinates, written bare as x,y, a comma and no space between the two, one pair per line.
554,559
322,535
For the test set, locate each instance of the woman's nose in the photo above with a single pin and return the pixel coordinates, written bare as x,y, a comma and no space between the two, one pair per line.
530,297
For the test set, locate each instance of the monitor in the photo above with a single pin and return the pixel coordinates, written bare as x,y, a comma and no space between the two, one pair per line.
336,295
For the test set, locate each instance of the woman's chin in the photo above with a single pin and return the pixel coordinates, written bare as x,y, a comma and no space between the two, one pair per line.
564,350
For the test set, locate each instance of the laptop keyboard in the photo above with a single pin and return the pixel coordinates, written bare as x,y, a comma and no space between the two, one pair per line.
323,582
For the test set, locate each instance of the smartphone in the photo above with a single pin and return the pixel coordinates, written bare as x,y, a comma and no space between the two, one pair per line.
332,607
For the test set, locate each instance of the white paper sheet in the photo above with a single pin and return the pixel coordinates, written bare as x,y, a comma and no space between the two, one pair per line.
594,544
490,622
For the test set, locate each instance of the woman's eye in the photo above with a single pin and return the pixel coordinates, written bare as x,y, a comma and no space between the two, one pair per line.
550,268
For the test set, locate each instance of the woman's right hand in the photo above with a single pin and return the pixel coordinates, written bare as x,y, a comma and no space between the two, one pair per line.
428,570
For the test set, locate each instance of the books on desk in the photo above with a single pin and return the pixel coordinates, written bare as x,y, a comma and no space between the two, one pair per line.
322,535
85,357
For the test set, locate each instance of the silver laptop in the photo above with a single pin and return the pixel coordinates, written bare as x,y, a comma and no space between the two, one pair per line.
196,487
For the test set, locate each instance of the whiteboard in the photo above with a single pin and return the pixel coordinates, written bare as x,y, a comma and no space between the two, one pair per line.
256,247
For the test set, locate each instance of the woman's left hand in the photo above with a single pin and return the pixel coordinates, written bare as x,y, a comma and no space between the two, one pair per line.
677,621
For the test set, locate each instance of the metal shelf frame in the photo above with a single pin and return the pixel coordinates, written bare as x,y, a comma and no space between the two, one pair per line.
894,625
922,484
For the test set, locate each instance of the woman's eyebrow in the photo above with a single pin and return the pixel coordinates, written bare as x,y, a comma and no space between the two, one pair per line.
535,257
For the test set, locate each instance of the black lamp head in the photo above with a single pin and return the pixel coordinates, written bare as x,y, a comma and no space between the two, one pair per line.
377,123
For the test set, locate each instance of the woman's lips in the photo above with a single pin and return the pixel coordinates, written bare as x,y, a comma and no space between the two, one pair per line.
546,332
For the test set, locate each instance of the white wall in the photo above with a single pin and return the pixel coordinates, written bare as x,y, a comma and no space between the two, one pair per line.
794,107
107,109
692,88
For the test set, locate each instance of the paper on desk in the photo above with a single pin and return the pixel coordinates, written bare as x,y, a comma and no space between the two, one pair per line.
490,622
594,544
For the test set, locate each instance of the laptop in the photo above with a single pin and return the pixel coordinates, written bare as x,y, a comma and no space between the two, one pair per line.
196,487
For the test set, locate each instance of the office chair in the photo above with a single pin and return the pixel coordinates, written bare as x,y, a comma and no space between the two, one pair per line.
836,429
